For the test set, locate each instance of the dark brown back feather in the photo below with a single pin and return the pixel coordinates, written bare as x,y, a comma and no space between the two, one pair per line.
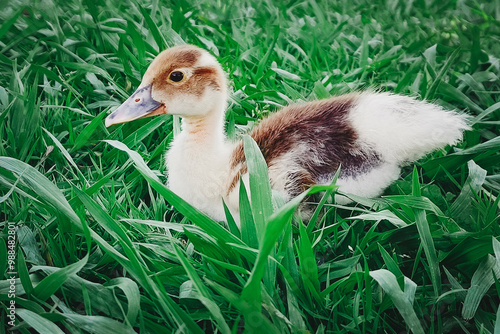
321,125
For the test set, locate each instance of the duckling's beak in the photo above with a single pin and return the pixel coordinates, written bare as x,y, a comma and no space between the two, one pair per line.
139,105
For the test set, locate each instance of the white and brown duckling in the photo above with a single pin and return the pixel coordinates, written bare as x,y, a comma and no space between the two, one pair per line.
370,135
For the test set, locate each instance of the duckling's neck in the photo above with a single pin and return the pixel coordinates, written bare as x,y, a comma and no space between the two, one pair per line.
201,144
206,130
198,164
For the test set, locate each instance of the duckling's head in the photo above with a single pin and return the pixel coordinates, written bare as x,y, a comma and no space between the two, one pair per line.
183,80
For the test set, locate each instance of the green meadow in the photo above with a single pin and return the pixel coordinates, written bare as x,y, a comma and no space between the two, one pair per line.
93,241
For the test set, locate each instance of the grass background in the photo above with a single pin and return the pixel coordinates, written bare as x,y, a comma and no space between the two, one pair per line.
104,247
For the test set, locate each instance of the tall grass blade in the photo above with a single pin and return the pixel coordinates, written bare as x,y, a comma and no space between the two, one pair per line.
135,265
231,222
294,313
260,189
482,280
496,249
497,322
65,153
308,265
430,251
98,324
87,132
40,185
392,266
255,321
38,323
314,218
439,77
157,35
27,241
50,284
274,229
461,207
402,300
204,294
247,221
132,293
23,274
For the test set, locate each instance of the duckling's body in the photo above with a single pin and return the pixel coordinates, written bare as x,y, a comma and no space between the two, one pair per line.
368,135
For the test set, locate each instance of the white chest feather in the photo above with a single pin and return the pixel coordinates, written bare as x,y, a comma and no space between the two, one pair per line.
199,174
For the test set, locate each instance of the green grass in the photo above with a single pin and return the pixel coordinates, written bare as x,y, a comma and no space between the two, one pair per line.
102,245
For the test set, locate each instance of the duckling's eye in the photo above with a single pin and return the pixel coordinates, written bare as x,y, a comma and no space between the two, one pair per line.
176,76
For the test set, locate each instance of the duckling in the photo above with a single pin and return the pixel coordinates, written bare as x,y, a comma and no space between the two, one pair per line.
368,135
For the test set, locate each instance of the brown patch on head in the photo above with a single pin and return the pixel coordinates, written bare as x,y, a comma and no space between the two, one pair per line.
209,76
176,57
187,59
199,80
323,127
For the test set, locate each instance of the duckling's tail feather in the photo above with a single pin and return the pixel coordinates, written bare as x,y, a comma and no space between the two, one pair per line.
402,129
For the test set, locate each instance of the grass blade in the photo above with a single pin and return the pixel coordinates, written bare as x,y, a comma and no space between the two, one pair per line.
39,323
23,274
132,293
462,206
205,296
274,229
87,132
392,266
50,284
308,265
135,265
98,324
254,321
430,251
402,301
65,153
40,185
482,280
247,222
497,322
157,35
231,222
260,189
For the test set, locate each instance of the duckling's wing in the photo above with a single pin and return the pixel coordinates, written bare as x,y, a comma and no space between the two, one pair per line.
305,143
368,134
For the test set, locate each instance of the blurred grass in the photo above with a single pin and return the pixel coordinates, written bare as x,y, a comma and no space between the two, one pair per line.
103,244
